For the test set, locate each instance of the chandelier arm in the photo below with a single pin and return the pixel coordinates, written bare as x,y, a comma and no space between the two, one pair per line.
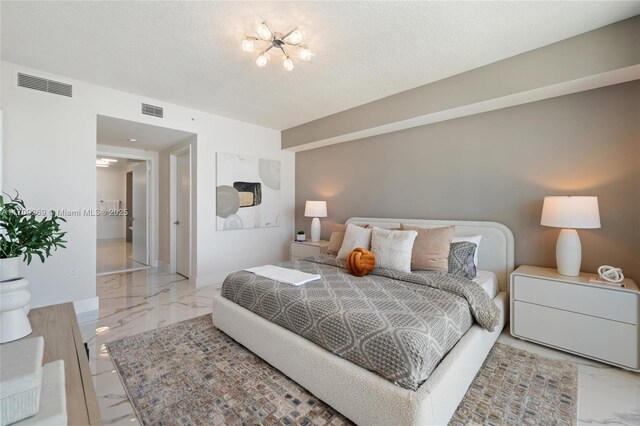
267,49
266,43
284,52
288,34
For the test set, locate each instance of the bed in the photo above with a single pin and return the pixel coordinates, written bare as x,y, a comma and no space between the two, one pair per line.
362,395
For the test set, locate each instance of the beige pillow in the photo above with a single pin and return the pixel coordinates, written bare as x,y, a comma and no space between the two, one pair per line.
431,248
337,237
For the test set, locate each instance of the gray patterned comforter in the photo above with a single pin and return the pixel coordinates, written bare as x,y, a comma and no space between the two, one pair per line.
398,325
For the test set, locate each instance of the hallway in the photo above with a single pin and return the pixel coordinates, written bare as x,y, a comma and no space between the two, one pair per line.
114,255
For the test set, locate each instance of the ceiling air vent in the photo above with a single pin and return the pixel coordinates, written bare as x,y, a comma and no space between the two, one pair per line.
152,110
44,85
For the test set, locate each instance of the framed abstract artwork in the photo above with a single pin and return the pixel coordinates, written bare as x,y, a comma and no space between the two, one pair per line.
247,192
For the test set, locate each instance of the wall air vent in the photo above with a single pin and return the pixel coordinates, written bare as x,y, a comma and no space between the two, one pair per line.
44,85
152,110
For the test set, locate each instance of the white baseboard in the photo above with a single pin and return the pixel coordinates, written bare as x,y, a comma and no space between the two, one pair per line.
87,313
160,264
86,305
207,280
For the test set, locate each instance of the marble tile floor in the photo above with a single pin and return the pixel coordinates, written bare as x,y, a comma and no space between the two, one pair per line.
114,255
134,302
131,303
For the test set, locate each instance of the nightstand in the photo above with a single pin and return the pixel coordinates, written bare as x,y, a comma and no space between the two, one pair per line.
596,321
300,249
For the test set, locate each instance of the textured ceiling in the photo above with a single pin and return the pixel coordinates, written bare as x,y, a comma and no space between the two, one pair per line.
117,132
188,52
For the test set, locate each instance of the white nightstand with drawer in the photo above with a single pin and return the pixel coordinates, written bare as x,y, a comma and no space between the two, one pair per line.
300,249
568,313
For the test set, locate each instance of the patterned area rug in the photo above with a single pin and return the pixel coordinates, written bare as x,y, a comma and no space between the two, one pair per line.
190,373
516,387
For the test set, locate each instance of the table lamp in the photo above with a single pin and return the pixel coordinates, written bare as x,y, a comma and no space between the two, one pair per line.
315,209
570,213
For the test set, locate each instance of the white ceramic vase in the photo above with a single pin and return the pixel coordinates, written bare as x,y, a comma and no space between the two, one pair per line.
9,268
14,300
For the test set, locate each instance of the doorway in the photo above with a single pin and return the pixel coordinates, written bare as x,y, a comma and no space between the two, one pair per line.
122,214
180,200
158,147
129,200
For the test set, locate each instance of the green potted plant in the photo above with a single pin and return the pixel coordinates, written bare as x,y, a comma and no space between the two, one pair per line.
22,236
300,236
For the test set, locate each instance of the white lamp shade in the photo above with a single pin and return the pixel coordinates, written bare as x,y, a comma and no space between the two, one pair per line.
570,212
315,209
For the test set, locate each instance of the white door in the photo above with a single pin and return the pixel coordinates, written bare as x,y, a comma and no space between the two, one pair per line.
140,223
183,212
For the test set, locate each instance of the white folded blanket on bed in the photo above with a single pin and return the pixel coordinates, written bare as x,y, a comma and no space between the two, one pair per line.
283,275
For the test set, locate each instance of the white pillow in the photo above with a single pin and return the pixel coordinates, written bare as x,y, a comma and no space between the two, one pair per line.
475,240
393,249
354,237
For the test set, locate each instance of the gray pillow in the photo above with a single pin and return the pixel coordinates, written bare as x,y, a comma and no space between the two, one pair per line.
461,259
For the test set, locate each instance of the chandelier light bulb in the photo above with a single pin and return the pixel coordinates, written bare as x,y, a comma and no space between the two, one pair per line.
295,37
262,60
287,64
305,54
247,45
263,31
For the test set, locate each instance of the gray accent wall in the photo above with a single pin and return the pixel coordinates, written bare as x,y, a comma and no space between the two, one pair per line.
497,166
603,50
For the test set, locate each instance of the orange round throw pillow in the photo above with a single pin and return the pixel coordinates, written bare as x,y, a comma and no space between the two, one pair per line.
360,262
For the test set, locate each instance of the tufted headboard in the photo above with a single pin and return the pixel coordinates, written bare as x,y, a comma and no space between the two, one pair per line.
496,247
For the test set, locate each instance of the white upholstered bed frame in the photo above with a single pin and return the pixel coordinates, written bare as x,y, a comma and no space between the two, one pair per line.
363,396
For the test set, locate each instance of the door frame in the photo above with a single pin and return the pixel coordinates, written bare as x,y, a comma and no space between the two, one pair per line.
173,207
128,200
152,191
148,221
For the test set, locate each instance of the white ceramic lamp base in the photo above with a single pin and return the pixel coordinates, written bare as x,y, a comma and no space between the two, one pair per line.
315,230
568,253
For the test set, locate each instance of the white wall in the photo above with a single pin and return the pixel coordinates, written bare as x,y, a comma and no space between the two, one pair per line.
49,155
111,185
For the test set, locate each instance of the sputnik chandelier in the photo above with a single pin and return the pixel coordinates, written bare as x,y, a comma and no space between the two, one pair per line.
266,40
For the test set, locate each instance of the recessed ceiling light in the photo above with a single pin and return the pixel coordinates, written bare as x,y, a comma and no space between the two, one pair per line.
133,140
105,162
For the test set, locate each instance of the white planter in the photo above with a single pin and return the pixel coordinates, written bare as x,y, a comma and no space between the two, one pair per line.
9,268
14,296
300,237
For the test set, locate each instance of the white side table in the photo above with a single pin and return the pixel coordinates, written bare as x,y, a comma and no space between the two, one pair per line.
596,321
300,249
